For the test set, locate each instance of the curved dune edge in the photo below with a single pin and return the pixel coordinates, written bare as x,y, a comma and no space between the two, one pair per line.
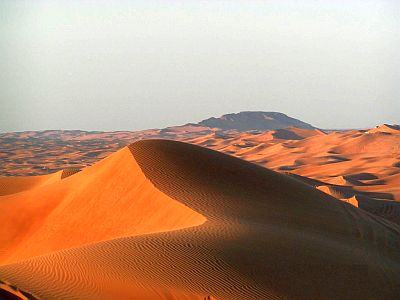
108,200
12,185
268,236
16,184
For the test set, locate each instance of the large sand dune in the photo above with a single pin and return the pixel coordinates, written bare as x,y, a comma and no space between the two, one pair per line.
108,200
169,220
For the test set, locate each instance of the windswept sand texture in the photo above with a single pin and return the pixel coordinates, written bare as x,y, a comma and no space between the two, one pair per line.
169,220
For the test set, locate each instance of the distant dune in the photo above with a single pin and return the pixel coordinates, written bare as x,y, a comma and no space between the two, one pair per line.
170,220
386,128
352,164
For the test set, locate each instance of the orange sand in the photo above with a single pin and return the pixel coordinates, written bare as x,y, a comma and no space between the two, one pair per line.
108,200
169,220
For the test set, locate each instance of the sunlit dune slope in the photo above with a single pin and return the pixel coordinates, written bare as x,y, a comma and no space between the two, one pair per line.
267,235
110,199
12,185
15,184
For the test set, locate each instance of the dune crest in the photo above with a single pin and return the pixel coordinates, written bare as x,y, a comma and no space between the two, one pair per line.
107,200
12,185
386,128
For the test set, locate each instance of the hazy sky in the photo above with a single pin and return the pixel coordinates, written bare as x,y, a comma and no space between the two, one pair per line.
130,65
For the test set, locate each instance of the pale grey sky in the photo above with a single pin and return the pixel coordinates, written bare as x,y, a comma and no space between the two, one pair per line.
130,65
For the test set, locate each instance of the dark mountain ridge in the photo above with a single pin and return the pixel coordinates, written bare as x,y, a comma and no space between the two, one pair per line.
254,120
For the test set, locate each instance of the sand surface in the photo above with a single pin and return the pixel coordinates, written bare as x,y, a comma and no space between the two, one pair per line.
170,220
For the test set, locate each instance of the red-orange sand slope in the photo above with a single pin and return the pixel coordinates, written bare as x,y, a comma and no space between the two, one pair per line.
169,220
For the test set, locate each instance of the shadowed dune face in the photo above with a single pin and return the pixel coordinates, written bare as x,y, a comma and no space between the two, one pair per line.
68,172
9,292
185,171
267,236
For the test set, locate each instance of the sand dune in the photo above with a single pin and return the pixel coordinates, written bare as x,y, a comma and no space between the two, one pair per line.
170,220
337,158
12,185
385,128
108,200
